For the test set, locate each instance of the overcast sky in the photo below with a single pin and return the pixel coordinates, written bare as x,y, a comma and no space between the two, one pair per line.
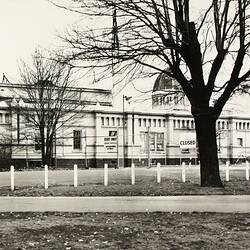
25,25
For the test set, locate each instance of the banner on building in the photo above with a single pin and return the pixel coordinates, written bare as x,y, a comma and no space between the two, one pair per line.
110,142
187,141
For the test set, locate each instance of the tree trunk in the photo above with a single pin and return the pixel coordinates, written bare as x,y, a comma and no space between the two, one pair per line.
206,136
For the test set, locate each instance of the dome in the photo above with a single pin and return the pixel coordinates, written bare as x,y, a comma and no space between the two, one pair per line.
164,82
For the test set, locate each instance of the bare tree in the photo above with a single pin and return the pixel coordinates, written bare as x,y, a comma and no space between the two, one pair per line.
50,101
207,53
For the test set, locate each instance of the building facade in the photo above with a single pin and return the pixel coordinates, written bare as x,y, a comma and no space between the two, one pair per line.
105,134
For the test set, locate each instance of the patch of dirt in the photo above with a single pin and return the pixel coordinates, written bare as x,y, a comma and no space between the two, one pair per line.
124,231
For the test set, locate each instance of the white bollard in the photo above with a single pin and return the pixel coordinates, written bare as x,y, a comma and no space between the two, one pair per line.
133,174
158,172
227,171
183,172
46,185
190,164
12,184
247,170
75,176
105,174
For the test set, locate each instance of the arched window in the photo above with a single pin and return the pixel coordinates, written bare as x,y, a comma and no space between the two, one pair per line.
149,123
183,124
192,124
159,122
164,123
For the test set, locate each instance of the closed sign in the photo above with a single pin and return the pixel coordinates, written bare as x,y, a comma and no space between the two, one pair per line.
187,141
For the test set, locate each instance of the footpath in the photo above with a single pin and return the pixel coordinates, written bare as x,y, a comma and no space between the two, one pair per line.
196,203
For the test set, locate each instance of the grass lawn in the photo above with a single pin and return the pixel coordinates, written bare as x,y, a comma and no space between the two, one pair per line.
144,186
124,231
23,231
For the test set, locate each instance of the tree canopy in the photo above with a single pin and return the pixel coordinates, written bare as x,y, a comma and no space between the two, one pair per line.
204,45
50,102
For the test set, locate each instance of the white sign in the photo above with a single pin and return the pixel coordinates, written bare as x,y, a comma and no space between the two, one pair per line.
110,143
187,141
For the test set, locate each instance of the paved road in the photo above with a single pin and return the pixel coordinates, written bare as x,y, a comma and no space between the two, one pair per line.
212,203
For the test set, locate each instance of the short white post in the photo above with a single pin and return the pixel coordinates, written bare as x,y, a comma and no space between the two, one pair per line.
46,185
12,184
133,174
105,174
158,172
227,171
75,176
183,172
247,170
190,163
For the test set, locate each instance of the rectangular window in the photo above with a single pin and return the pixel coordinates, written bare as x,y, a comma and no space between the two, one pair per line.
144,142
1,118
7,118
38,141
155,141
240,142
77,139
159,141
152,141
102,121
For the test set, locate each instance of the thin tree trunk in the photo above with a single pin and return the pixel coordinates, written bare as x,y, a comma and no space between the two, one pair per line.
206,137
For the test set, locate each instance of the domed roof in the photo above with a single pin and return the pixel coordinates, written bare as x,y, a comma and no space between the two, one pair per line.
164,82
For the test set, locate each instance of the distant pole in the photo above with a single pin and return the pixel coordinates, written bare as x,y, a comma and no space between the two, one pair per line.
75,176
46,185
227,171
158,172
12,184
148,145
133,174
85,150
105,174
117,146
247,170
183,172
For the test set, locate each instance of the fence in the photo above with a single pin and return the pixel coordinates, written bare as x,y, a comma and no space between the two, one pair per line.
158,173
